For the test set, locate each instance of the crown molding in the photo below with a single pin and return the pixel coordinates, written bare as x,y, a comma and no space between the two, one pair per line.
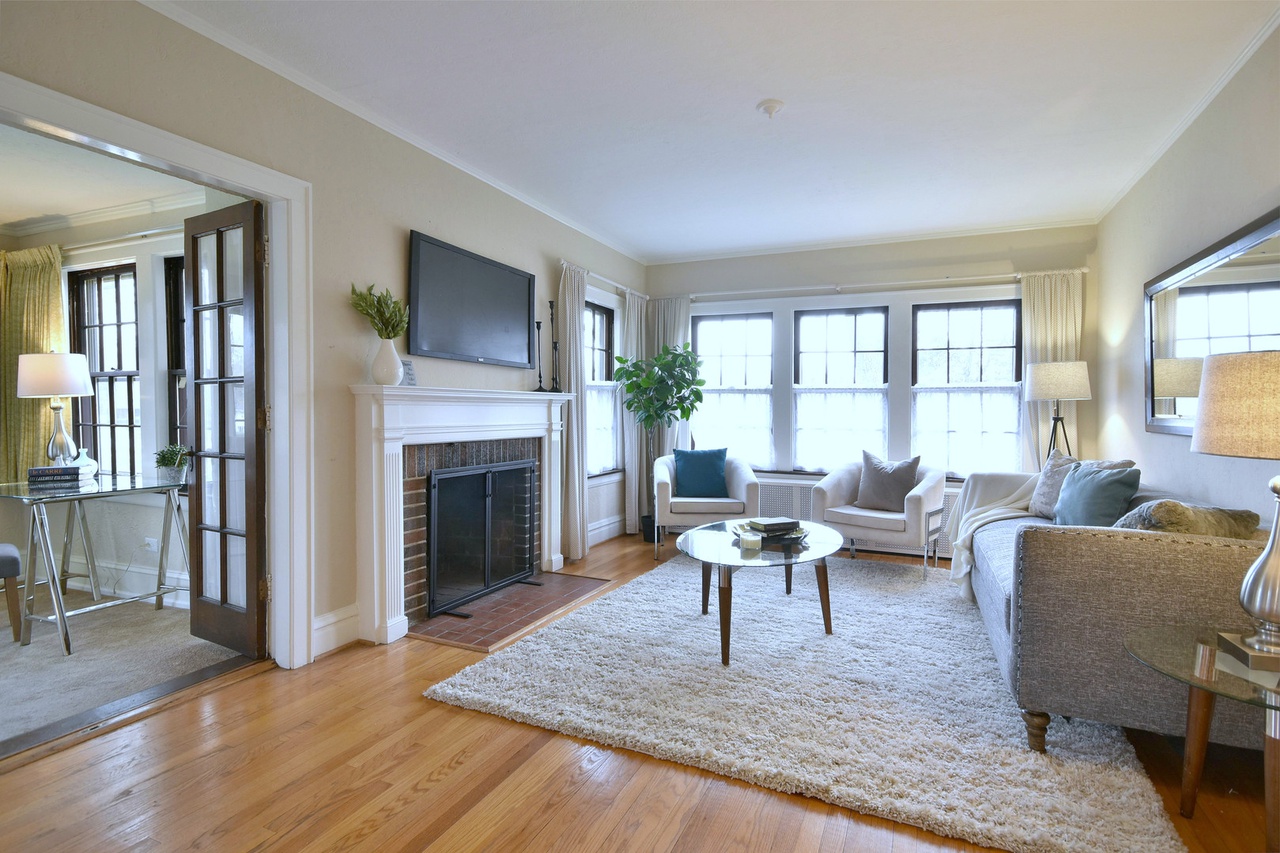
42,224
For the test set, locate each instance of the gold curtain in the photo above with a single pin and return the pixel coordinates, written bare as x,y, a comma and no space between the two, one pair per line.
32,319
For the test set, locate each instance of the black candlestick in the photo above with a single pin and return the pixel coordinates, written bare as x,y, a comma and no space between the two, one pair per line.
555,351
537,325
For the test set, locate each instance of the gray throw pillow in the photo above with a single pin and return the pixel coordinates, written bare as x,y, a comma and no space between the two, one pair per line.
1044,500
1045,497
1095,497
884,485
1176,517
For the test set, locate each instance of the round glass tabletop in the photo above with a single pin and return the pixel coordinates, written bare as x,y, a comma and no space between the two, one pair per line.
718,543
1193,655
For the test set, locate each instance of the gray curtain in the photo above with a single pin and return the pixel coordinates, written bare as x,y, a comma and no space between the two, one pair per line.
573,299
635,461
668,323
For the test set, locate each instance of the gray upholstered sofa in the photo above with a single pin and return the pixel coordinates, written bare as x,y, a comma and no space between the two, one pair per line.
1057,603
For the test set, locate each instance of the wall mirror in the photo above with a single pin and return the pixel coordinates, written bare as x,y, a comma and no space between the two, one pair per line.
1223,299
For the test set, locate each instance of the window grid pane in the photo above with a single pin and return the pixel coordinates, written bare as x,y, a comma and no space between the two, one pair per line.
966,393
104,327
737,406
602,409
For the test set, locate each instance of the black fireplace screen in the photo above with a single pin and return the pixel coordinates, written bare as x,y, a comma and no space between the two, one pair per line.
481,536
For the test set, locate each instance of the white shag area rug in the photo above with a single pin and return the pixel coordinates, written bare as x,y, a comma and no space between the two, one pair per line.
900,713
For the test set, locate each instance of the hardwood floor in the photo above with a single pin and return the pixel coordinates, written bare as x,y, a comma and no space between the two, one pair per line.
346,754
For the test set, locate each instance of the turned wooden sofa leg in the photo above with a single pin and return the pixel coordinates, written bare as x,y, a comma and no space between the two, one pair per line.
1037,728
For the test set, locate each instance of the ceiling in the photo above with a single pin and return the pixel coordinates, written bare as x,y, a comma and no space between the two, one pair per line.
636,122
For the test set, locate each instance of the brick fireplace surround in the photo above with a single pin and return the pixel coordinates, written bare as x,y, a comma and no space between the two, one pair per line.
389,419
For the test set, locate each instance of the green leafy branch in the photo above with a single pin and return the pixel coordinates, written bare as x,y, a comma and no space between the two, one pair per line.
387,314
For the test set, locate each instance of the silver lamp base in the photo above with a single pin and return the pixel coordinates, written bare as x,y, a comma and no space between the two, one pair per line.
1260,598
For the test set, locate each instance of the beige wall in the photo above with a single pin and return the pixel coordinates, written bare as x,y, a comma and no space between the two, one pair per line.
369,190
1223,172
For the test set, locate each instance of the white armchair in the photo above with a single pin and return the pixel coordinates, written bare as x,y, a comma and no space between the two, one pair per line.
670,511
917,526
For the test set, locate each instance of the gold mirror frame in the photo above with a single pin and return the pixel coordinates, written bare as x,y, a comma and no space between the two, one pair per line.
1249,237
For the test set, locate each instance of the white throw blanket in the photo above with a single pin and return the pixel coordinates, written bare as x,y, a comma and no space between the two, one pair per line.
984,498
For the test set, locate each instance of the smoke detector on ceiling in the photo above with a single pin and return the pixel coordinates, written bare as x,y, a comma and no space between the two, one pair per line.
770,106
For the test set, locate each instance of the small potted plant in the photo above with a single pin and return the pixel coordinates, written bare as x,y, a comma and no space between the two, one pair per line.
389,319
171,463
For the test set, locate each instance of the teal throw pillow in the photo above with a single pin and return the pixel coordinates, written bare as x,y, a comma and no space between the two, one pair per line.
1096,497
700,474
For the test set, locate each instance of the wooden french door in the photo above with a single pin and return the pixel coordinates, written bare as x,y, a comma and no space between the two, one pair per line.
225,275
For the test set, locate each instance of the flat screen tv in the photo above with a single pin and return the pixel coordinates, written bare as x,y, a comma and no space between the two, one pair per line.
467,307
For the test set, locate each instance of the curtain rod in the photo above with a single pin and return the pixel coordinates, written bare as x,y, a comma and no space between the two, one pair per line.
820,290
610,282
124,239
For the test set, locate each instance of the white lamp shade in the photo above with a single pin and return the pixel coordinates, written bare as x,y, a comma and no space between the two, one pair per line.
1057,380
1239,411
54,374
1176,377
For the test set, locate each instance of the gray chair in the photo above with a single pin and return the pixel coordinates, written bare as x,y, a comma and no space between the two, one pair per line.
671,511
10,571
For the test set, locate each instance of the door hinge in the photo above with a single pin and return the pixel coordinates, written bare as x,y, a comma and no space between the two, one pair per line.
264,589
266,249
264,418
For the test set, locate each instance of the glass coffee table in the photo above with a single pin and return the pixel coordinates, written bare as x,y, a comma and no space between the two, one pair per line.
716,546
1192,655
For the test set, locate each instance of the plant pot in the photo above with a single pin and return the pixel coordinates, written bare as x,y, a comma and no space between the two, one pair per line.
386,368
170,475
646,528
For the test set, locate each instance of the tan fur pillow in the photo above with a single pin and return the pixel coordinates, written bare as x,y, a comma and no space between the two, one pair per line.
1174,517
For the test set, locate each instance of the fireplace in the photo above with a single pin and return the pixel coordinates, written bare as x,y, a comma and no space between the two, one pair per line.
395,425
480,536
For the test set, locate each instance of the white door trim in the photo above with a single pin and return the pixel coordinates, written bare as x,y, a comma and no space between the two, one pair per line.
290,508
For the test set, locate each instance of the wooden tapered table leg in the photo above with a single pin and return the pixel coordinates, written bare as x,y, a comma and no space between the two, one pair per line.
820,566
788,572
706,586
726,608
1199,716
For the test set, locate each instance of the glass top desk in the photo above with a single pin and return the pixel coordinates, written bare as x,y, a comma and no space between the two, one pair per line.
40,538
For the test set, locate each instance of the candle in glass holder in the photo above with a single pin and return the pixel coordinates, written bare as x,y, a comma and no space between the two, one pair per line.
750,541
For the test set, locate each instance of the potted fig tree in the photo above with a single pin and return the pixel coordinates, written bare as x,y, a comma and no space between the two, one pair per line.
659,391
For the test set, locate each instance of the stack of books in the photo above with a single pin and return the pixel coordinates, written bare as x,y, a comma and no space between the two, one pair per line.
773,526
59,477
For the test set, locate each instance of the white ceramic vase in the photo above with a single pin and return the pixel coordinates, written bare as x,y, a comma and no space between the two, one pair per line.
387,369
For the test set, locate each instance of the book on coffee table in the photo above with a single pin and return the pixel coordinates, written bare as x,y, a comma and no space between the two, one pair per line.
773,525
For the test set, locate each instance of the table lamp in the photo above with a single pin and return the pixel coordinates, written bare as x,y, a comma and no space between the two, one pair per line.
1057,381
1176,377
55,375
1239,415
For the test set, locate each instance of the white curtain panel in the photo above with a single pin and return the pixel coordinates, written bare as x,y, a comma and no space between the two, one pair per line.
669,323
1164,336
573,299
1052,314
635,462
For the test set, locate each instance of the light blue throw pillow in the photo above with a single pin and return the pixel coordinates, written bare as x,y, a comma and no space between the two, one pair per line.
700,474
1095,497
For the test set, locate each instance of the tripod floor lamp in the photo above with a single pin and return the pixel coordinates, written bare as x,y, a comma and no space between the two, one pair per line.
1057,381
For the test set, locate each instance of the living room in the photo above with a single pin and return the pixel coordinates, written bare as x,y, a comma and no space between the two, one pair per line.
365,188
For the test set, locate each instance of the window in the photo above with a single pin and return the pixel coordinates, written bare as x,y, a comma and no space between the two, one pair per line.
104,326
737,406
1222,318
175,311
966,399
601,413
841,384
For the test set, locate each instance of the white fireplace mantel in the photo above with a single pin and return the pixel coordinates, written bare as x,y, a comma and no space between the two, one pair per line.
390,417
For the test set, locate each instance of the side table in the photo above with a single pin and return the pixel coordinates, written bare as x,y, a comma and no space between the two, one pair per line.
1190,654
